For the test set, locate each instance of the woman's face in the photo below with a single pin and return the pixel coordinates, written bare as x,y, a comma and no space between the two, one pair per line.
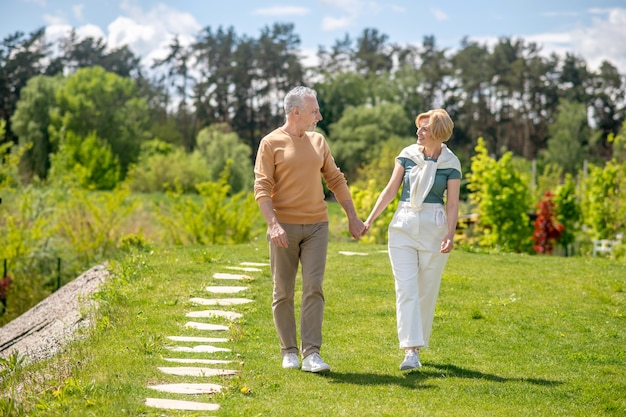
424,136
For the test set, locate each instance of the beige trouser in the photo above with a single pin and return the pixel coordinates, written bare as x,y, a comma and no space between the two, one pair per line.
308,244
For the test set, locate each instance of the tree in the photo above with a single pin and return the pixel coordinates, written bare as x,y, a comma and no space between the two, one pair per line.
357,137
20,59
570,136
501,196
95,101
547,229
31,121
217,144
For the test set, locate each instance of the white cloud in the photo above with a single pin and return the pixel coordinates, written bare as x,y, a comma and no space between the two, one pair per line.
349,6
55,19
282,11
149,33
333,23
438,14
605,39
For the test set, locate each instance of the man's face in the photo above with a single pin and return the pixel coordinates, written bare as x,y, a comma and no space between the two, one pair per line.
310,114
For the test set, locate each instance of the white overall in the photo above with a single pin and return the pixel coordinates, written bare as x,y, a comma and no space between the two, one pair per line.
415,236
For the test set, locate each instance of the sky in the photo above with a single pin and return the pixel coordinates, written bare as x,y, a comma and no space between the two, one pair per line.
594,30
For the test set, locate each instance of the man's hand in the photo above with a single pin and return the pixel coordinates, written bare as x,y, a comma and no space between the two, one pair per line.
278,235
356,227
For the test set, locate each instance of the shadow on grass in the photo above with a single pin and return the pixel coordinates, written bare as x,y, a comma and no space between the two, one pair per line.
417,379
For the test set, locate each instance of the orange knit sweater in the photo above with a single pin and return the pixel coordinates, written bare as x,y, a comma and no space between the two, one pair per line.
287,173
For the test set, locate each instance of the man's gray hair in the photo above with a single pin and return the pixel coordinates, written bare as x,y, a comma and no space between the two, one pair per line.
295,98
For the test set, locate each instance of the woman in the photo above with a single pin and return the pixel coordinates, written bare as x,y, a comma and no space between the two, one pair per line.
421,234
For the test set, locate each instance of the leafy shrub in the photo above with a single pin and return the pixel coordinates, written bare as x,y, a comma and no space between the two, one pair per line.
162,167
547,229
87,162
501,196
213,217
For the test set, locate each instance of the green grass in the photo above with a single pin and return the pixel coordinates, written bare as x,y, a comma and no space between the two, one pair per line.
514,335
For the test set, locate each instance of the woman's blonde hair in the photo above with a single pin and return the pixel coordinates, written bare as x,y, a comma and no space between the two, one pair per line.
440,124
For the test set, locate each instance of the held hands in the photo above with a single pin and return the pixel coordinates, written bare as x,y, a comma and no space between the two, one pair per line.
357,227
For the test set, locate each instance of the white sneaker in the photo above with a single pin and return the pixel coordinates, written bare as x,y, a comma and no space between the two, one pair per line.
314,363
290,361
411,361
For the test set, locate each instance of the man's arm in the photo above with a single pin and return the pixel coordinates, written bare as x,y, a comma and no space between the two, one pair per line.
355,225
275,230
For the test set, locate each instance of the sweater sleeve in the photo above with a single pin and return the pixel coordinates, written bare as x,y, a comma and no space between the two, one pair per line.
335,179
264,173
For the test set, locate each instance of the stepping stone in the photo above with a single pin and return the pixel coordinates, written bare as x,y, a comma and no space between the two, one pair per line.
347,253
205,361
230,315
225,290
245,268
180,405
220,301
206,326
194,371
254,264
198,339
225,275
185,388
198,349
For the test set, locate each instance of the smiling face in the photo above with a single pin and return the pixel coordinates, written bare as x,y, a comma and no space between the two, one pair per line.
424,135
309,114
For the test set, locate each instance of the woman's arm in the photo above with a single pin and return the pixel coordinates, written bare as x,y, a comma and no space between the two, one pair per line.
452,213
387,195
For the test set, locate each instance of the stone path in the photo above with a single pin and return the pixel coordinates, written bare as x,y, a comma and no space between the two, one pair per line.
202,366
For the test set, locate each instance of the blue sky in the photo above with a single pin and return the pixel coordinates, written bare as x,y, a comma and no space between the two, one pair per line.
592,29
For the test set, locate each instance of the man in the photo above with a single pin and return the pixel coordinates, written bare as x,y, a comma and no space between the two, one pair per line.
288,189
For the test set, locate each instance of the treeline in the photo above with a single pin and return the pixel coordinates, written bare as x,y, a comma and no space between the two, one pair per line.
370,90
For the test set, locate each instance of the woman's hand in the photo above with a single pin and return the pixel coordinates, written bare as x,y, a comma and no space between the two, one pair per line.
446,245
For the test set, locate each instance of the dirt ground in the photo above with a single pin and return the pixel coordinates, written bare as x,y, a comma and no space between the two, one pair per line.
46,328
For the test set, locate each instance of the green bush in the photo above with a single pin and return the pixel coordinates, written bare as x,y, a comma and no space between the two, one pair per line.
162,167
501,196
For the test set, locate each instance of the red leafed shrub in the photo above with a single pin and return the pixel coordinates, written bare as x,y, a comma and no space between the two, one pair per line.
547,230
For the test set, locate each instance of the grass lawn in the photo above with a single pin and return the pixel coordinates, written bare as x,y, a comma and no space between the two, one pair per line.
514,335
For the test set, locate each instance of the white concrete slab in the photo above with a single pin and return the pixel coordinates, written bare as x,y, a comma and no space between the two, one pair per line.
206,326
180,405
230,315
185,388
219,301
225,275
254,264
196,371
204,361
225,289
198,349
243,268
347,253
198,339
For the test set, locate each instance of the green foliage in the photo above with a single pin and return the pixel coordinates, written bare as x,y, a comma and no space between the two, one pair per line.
604,200
163,167
570,137
91,222
93,100
217,144
357,137
87,162
568,212
214,217
501,196
31,121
